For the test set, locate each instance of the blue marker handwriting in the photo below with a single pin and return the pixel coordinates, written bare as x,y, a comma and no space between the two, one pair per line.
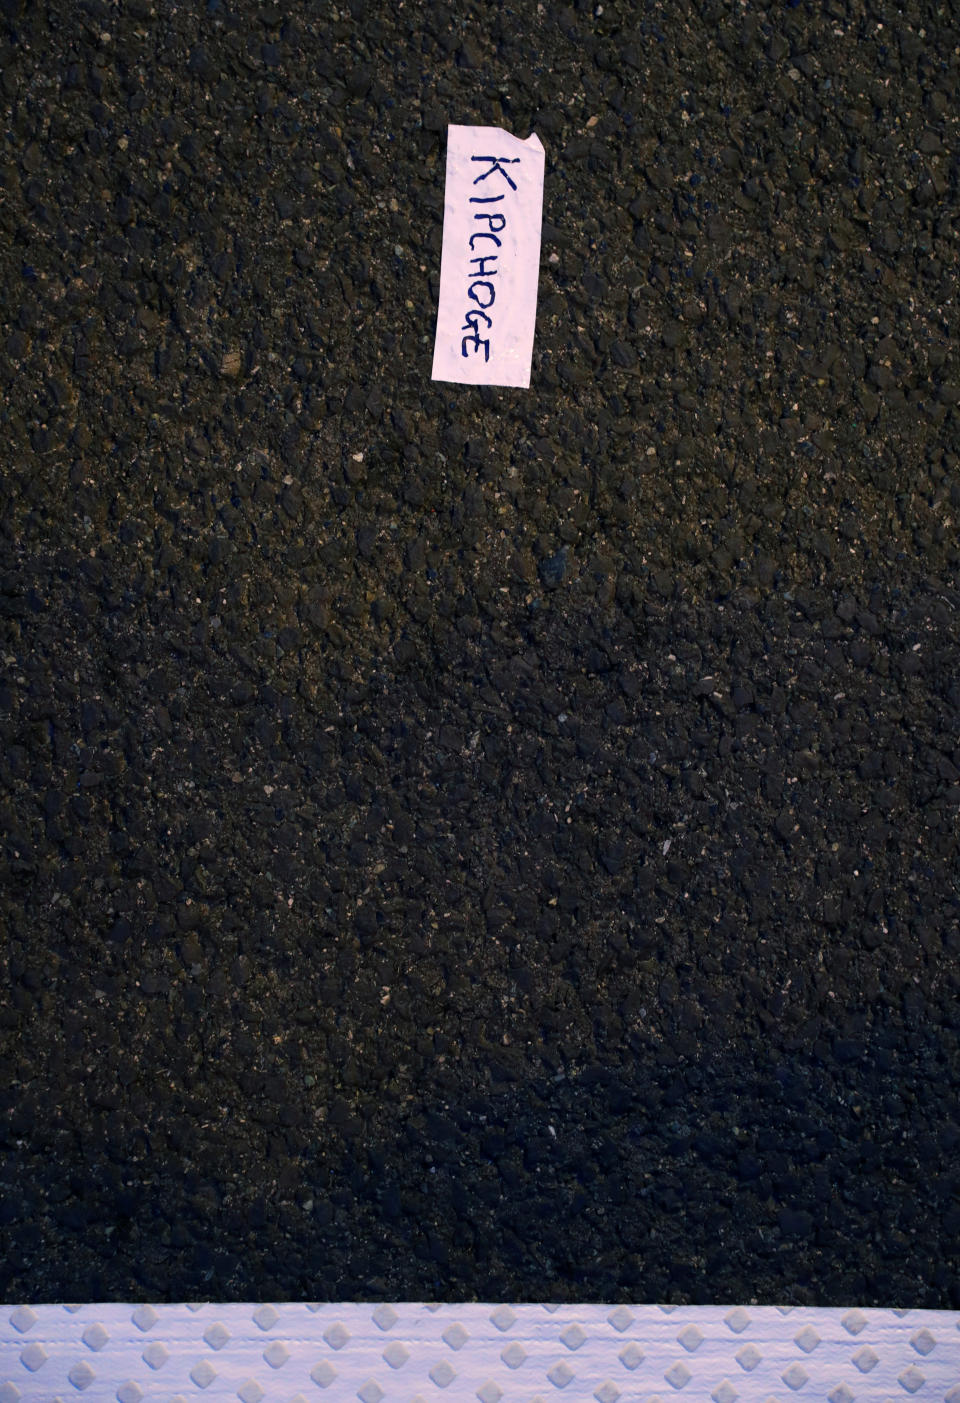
482,290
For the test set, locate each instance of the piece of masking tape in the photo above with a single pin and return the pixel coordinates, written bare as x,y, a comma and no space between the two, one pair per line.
490,262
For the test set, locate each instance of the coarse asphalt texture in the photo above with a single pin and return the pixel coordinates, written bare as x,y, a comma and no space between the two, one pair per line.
468,843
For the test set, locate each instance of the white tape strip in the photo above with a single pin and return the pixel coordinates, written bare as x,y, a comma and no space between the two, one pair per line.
476,1353
490,264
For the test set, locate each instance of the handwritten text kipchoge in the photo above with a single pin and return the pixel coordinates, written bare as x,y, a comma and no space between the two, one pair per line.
482,290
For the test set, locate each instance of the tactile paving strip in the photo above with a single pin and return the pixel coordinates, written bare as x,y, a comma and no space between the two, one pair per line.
418,1353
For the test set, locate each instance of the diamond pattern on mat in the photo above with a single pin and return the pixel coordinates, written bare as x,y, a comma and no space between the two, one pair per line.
337,1336
691,1338
679,1376
631,1357
620,1319
607,1392
395,1355
410,1352
560,1375
854,1321
33,1357
513,1355
456,1336
155,1354
503,1317
203,1373
276,1354
866,1359
748,1358
795,1377
81,1375
145,1317
807,1339
216,1335
95,1336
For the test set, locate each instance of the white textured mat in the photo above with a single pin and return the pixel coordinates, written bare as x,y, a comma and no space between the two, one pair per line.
442,1353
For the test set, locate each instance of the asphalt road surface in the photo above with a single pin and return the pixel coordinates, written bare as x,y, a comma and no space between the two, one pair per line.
466,842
